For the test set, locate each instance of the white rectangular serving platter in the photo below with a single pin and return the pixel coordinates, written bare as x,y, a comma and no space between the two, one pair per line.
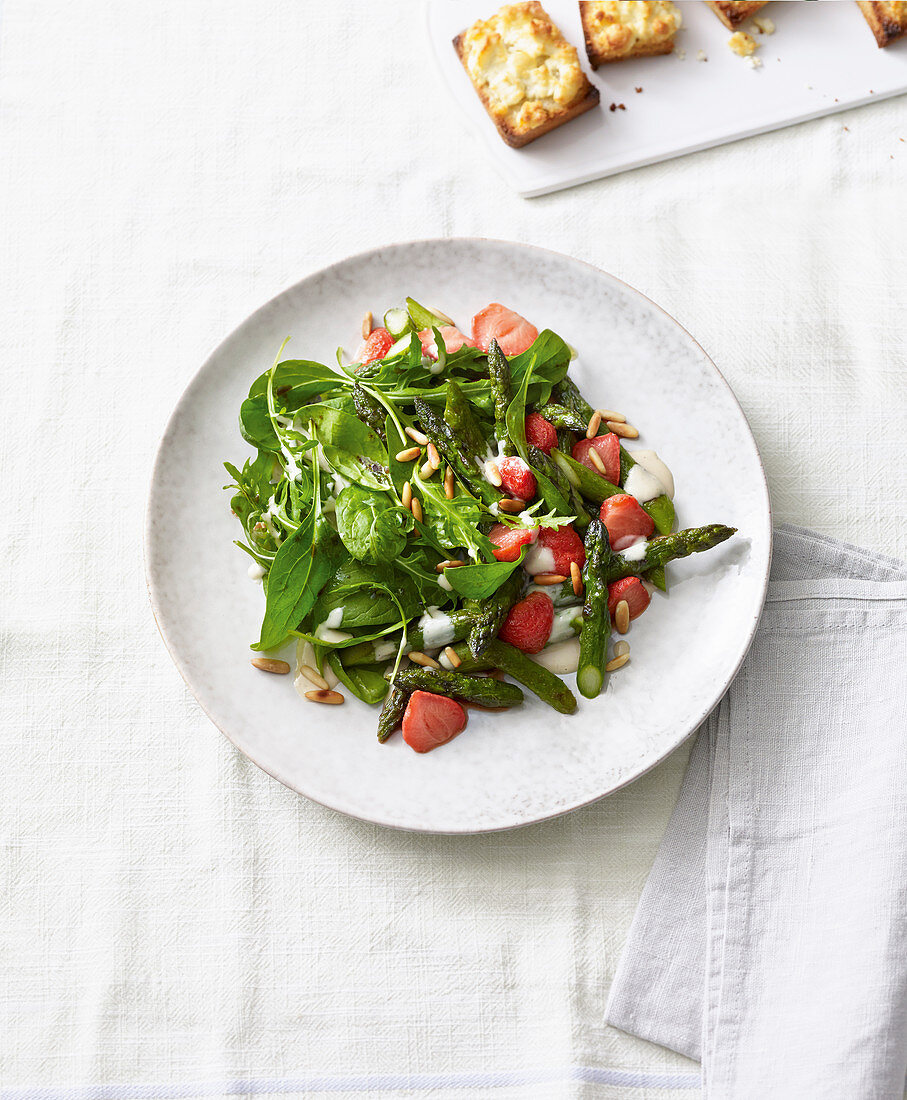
822,58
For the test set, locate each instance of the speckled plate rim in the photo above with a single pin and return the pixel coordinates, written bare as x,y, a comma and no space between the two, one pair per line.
172,423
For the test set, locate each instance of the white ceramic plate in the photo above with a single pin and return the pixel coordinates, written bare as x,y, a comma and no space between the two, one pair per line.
530,763
822,58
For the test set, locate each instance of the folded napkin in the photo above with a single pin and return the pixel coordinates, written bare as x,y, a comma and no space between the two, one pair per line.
770,942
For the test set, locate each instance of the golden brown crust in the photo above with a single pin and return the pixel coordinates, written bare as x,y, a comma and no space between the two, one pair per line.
587,98
733,12
605,42
888,21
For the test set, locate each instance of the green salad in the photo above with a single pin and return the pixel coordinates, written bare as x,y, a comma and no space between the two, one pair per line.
446,511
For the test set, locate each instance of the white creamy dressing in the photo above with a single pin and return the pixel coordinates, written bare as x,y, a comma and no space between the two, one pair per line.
540,559
641,484
437,629
561,658
654,466
636,551
444,583
493,508
328,632
256,571
383,650
561,628
340,483
305,655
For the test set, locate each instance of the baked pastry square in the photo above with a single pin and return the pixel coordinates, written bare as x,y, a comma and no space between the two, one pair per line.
733,12
618,29
888,19
526,73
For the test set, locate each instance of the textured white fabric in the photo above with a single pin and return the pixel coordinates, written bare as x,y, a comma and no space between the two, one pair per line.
171,916
769,940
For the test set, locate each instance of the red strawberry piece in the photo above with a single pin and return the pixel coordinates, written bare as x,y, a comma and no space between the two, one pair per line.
608,448
540,433
431,720
625,520
376,346
509,541
633,591
512,332
565,545
452,337
528,623
517,478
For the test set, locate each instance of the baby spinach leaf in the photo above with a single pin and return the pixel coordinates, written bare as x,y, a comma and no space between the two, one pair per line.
366,682
304,378
478,582
336,428
372,526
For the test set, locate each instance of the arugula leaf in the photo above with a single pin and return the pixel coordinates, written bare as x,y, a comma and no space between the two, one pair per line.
372,527
478,582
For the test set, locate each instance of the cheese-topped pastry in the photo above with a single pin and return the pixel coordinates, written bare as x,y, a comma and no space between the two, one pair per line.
526,73
887,18
616,29
733,12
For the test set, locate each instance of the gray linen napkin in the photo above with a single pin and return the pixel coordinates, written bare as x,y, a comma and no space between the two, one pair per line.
770,941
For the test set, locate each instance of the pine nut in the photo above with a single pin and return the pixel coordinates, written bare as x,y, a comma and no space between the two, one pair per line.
416,509
367,325
625,431
622,616
549,578
416,436
332,698
451,563
618,662
314,677
449,487
407,495
269,664
493,473
594,424
596,459
408,455
434,459
426,470
576,575
419,658
511,504
621,648
610,414
451,655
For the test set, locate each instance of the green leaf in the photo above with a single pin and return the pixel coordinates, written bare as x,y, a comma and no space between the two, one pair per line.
339,429
370,595
297,380
423,318
372,526
366,682
478,582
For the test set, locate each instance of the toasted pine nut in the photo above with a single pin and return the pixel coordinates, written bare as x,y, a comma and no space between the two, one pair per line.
419,658
426,470
269,664
408,455
511,504
596,459
625,431
449,487
594,424
407,495
451,655
610,414
549,578
576,575
622,616
314,677
416,436
332,698
493,473
367,324
434,458
618,662
416,509
621,648
451,563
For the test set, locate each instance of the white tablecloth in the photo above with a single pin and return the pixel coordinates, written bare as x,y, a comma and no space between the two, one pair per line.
176,923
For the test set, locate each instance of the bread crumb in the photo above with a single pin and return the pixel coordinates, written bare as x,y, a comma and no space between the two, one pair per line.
763,24
754,62
743,44
701,56
680,53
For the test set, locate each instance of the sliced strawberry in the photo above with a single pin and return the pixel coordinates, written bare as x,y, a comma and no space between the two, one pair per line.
376,345
512,332
528,623
516,478
452,337
565,545
633,591
625,520
431,720
540,433
509,541
608,448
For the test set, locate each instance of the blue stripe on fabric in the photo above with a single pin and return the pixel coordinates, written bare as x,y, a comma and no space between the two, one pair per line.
373,1082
